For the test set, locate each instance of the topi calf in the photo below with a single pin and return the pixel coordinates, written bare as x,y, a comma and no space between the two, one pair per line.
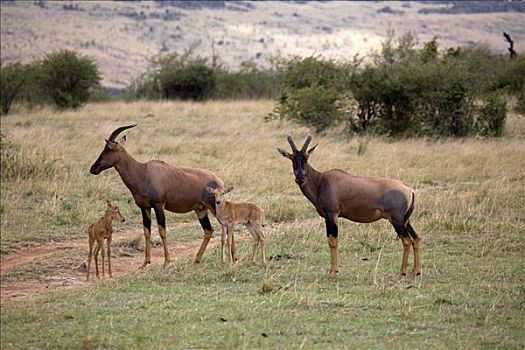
99,231
230,213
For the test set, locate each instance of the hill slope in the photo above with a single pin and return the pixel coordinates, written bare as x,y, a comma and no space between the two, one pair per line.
122,35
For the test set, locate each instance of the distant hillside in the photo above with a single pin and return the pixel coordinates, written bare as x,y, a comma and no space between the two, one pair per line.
123,35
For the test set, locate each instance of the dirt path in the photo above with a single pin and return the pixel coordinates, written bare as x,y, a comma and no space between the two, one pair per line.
59,265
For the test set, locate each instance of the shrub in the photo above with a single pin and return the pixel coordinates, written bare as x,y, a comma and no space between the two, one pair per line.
316,106
249,82
520,103
18,82
313,92
187,80
492,114
12,79
174,76
68,78
408,91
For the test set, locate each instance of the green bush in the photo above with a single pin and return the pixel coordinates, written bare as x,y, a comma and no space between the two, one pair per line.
492,114
187,80
175,76
68,78
248,82
520,103
186,76
408,91
19,82
315,106
314,92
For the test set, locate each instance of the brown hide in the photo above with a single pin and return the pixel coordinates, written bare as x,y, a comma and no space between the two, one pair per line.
179,189
159,186
336,193
352,197
233,212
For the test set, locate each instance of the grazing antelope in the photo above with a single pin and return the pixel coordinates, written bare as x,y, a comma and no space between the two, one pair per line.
160,186
99,231
336,193
230,213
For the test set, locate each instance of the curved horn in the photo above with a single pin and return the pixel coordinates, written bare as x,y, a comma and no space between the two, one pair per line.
292,144
306,142
118,130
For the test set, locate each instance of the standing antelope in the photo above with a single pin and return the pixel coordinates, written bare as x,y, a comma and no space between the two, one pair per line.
336,193
160,186
99,231
230,213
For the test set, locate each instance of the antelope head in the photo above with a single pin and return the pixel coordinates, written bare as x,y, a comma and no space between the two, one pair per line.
219,193
111,152
299,158
114,212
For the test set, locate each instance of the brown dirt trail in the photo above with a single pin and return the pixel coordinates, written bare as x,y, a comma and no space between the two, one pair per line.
60,265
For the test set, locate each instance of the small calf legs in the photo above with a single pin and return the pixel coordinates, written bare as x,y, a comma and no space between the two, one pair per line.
259,239
99,247
228,239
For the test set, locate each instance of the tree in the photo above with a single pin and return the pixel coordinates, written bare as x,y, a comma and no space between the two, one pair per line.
68,78
13,77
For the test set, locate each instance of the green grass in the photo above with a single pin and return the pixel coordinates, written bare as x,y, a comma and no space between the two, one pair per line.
463,300
469,212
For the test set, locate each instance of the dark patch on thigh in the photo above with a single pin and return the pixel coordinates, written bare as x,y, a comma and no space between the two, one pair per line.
394,203
205,223
159,213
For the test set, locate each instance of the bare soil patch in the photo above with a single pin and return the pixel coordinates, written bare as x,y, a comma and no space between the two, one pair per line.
61,265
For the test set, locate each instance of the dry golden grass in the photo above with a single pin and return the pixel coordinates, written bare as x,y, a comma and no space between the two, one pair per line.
233,140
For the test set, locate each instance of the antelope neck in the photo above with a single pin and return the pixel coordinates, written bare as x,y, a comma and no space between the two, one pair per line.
311,188
131,171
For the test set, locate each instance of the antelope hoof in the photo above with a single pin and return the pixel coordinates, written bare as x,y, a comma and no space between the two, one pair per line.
166,263
196,261
146,263
333,273
417,273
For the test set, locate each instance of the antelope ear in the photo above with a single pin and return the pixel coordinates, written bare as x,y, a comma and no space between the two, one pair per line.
311,150
110,144
122,140
283,153
210,189
109,203
229,189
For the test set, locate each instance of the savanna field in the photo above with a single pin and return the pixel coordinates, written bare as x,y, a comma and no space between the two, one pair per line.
469,211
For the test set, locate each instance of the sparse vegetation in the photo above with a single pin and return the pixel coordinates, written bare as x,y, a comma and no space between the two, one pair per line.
187,76
63,78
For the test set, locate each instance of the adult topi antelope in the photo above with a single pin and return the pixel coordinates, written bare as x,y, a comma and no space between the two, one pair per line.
159,186
335,193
